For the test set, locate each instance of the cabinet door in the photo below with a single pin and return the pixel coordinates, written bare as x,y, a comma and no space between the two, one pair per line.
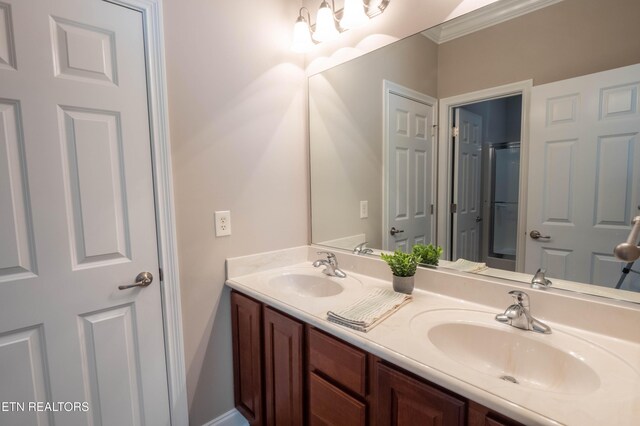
247,357
402,400
283,369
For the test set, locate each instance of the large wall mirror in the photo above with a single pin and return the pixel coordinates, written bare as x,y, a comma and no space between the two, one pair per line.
510,136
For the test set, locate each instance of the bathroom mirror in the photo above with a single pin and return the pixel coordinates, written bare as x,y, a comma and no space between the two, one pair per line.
509,136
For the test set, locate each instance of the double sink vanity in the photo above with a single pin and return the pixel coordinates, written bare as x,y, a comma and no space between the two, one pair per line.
457,354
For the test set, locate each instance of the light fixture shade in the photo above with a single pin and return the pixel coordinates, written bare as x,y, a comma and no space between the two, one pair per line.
301,36
325,24
353,14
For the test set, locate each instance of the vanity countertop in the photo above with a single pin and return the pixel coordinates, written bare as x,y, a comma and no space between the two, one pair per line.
614,399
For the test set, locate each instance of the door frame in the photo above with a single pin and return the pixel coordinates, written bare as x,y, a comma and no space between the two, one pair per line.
445,157
388,88
152,23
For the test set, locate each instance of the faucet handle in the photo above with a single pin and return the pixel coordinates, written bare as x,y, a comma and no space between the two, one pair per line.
539,281
520,297
360,247
331,257
328,253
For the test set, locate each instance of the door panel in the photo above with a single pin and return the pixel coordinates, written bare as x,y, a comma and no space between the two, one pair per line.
17,256
23,365
109,344
95,191
577,126
7,48
83,52
77,215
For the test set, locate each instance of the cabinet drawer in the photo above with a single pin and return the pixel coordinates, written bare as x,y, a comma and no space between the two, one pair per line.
329,406
344,364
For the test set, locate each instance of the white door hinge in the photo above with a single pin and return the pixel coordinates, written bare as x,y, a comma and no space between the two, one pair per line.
455,131
454,208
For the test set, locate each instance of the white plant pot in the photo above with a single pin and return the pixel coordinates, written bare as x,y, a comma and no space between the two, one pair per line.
403,284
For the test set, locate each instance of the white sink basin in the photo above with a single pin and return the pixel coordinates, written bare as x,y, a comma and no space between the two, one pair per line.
558,362
308,285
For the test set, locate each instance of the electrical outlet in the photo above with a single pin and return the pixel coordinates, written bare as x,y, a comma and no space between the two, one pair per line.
364,209
223,223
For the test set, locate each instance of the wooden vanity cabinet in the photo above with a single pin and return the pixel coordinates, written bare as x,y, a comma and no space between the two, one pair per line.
289,373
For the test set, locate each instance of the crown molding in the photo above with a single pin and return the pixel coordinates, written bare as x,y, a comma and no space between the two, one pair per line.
484,17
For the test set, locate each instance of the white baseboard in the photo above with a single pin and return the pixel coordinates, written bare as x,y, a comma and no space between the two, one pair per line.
230,418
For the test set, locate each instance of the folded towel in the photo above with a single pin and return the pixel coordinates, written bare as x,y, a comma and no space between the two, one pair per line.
464,265
368,311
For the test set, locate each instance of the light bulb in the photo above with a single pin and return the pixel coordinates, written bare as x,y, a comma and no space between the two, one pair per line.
353,14
325,24
301,36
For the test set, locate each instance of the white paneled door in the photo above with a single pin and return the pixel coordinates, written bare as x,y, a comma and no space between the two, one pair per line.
410,187
77,219
584,174
467,186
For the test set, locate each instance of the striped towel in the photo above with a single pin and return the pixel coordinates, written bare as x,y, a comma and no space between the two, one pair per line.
464,265
368,311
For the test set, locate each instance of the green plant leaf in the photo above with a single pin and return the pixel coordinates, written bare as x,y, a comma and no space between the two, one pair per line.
427,254
402,264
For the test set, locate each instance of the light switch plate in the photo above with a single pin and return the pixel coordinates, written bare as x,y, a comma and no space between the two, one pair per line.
364,209
223,223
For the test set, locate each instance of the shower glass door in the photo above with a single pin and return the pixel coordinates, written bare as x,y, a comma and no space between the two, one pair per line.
503,225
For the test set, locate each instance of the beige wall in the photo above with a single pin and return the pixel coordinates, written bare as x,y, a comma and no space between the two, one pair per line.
237,116
345,124
568,39
238,133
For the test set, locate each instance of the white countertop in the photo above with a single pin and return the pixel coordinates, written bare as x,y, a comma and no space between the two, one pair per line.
616,401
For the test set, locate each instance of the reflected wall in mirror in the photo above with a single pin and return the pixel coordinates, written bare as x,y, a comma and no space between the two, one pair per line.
487,140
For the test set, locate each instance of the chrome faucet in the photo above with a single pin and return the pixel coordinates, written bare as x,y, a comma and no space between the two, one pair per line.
539,281
519,316
330,265
360,249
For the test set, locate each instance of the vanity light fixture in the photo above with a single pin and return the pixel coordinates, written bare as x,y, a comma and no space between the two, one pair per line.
325,23
302,34
355,13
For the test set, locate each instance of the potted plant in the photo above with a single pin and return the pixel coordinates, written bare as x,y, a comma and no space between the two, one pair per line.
427,254
403,266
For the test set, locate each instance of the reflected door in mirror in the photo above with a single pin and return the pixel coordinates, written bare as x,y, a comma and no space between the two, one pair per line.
467,186
409,185
584,174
